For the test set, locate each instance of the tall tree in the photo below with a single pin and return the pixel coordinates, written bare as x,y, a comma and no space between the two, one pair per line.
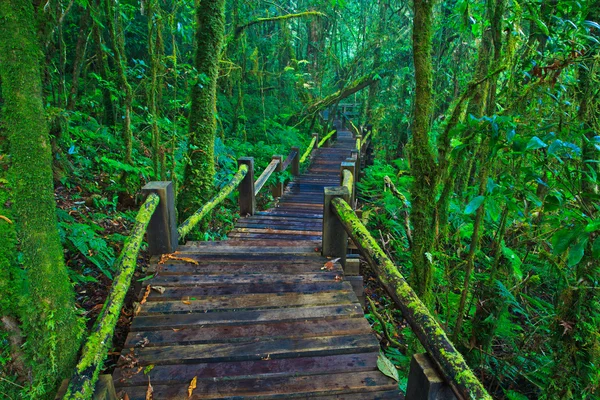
49,319
422,160
200,170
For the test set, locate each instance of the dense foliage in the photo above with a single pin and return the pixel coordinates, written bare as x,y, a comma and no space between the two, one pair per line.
502,161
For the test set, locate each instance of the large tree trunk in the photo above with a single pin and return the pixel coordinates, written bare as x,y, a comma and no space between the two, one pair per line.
49,319
200,171
423,167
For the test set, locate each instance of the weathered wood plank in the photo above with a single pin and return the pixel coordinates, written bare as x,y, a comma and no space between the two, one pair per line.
233,279
176,321
181,374
274,388
247,333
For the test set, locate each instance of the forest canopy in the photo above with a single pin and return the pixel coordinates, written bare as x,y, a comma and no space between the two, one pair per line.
484,190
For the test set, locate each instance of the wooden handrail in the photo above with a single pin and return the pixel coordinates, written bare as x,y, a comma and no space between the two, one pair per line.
326,138
187,225
83,383
262,179
309,149
431,335
289,159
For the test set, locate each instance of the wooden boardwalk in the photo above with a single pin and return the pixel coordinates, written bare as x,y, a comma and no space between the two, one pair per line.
257,316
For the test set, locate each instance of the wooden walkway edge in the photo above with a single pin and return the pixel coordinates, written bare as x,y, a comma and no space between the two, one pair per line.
258,316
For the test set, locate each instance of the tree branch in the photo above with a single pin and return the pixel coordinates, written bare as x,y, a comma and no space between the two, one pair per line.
241,28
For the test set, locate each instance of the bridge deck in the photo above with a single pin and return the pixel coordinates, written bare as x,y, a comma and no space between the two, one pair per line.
257,316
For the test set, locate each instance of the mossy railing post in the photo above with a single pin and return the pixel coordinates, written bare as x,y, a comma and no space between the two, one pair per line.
277,189
349,166
247,199
296,162
335,238
162,234
425,382
316,135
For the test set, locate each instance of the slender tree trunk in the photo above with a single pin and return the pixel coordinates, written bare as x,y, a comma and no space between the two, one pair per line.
50,322
200,171
80,49
423,167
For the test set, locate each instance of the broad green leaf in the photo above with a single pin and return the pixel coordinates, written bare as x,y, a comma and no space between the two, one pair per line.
576,252
474,205
386,367
535,143
593,226
561,240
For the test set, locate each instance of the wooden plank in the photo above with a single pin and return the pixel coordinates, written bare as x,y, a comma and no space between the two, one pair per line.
278,231
309,386
250,333
270,235
249,301
244,351
176,321
234,279
184,373
252,267
219,290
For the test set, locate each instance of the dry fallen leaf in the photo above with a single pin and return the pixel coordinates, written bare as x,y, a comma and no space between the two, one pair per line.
149,391
137,307
6,219
266,358
159,289
186,259
192,387
146,294
186,300
330,265
176,330
338,278
125,396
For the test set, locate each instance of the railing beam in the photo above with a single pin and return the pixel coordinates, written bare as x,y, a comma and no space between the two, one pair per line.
247,199
354,154
335,238
162,230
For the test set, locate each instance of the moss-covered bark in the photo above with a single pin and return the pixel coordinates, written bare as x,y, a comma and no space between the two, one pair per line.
423,166
49,318
200,171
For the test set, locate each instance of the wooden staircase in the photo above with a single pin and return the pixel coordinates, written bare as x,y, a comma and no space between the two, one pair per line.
262,315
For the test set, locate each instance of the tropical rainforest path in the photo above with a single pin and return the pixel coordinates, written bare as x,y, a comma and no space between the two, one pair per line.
262,315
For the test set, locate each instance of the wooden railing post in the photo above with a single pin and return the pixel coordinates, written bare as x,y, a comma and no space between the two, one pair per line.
316,135
335,238
349,166
425,382
296,162
247,200
162,234
278,186
356,156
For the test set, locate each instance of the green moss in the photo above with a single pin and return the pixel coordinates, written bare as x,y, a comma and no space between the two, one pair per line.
326,138
309,150
49,318
94,351
187,226
200,171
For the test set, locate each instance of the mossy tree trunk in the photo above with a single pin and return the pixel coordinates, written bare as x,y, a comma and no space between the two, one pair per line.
200,170
423,166
49,319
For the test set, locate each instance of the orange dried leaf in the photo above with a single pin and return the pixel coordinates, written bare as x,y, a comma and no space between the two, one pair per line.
125,396
186,259
186,302
192,387
146,294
